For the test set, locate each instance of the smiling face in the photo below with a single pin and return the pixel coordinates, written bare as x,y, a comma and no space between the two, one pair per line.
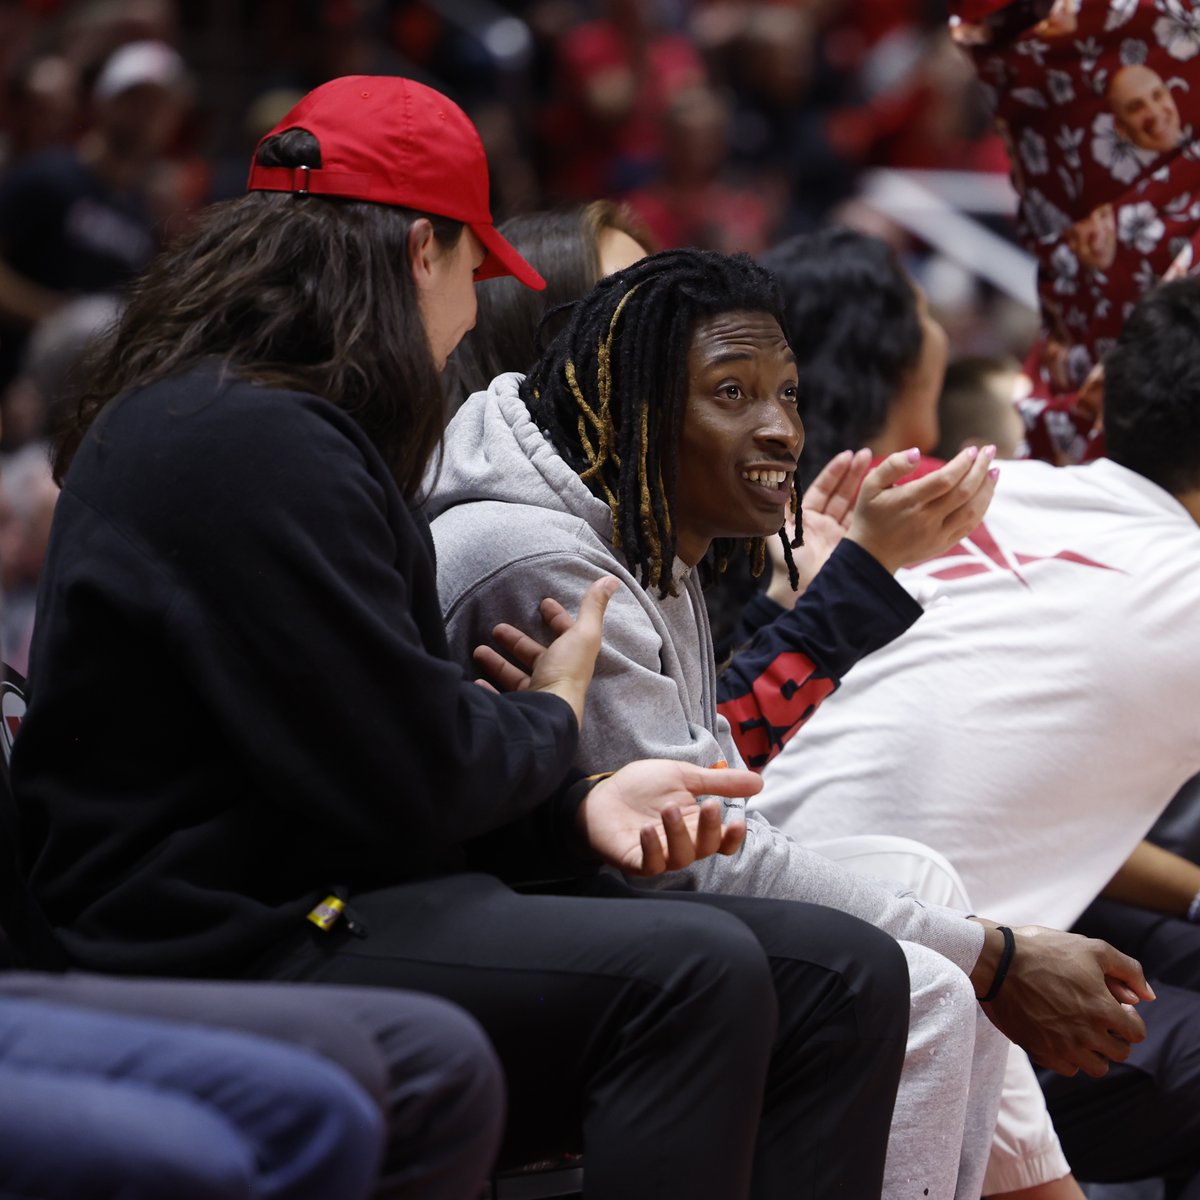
1094,239
1144,109
741,433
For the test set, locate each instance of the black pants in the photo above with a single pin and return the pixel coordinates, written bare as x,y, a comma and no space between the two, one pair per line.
690,1044
425,1064
1142,1119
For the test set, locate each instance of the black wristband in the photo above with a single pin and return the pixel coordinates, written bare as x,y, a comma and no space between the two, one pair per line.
1006,957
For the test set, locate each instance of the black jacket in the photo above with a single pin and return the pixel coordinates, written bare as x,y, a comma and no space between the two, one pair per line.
240,694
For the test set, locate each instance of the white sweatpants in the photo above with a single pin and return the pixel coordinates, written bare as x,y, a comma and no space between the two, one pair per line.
1019,1149
949,1090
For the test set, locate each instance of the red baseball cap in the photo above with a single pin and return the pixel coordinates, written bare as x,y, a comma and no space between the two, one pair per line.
395,141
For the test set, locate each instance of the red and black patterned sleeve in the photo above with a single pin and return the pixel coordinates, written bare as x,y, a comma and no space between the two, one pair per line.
773,685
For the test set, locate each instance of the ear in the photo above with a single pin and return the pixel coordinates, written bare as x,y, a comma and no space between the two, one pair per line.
423,252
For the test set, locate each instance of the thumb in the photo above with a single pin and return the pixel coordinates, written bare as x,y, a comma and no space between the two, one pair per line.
892,468
591,608
1128,971
733,782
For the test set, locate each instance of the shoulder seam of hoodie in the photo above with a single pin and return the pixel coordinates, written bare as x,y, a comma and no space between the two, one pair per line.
605,562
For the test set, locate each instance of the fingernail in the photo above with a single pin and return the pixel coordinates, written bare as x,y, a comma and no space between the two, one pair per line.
913,455
994,474
672,816
989,452
972,452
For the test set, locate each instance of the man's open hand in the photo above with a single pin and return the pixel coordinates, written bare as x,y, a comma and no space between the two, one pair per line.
645,818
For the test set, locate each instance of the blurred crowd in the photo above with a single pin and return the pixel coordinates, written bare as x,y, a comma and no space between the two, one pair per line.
721,125
615,128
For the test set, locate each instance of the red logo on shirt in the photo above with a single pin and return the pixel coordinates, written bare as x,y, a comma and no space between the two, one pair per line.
997,559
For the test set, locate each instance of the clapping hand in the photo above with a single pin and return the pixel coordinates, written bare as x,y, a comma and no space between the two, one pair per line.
646,819
923,518
564,667
826,512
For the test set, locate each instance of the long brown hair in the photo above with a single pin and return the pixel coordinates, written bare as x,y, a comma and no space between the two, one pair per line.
305,293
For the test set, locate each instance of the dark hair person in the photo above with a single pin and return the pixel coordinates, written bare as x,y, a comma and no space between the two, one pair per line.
870,355
1152,380
663,419
634,464
571,248
299,296
247,753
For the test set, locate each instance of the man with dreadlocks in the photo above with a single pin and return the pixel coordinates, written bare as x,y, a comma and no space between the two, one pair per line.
656,437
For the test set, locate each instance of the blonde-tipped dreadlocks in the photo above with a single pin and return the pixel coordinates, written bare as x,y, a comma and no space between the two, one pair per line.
611,388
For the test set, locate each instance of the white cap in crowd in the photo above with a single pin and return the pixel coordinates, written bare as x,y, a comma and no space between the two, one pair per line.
140,63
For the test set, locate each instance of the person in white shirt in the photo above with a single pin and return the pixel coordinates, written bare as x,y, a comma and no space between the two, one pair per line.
1036,721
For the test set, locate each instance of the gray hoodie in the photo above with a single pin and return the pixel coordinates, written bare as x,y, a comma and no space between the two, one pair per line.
513,523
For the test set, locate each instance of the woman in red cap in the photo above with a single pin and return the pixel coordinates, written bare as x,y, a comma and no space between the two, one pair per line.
246,753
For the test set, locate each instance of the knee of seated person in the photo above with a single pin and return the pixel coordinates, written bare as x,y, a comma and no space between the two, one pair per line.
872,963
208,1174
322,1094
714,961
883,982
205,1177
935,879
456,1062
324,1123
327,1130
923,870
124,1140
936,984
184,1155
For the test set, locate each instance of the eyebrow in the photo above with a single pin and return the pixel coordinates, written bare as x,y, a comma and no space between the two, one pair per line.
730,356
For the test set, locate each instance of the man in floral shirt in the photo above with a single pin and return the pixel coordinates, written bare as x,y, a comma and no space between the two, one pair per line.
1092,98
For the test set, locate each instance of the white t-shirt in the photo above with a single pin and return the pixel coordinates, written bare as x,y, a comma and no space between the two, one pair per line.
1036,720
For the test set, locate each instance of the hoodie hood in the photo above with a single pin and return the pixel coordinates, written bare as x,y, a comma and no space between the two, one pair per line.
493,451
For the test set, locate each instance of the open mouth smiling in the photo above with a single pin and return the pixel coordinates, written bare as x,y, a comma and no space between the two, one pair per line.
769,479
